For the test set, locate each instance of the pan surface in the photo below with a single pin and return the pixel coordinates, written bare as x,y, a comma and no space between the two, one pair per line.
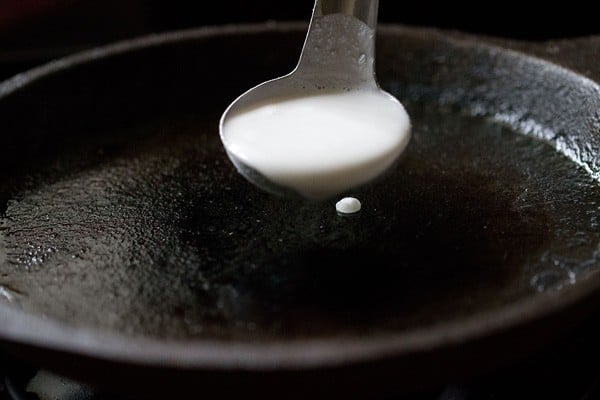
127,237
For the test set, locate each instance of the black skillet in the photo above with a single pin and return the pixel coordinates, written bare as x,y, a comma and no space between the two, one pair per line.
131,252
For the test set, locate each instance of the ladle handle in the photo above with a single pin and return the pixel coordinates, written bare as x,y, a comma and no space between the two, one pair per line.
364,10
340,52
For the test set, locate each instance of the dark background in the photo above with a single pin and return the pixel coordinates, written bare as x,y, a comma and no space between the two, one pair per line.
34,31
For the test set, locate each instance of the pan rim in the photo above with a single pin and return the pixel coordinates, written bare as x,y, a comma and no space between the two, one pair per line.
17,326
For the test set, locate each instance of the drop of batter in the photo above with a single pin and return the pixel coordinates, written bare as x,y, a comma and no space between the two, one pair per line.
348,205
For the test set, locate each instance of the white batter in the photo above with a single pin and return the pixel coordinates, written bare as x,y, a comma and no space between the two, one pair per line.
320,143
348,205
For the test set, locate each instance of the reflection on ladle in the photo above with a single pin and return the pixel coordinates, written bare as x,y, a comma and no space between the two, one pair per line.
327,126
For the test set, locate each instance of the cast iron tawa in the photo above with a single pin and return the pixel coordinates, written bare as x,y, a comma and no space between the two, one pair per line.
129,242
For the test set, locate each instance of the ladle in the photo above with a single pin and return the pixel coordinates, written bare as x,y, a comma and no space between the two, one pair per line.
336,57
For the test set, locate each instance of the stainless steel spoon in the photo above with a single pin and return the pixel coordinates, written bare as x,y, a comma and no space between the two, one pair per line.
333,57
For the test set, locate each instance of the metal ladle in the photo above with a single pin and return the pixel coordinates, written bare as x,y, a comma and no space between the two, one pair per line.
332,57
